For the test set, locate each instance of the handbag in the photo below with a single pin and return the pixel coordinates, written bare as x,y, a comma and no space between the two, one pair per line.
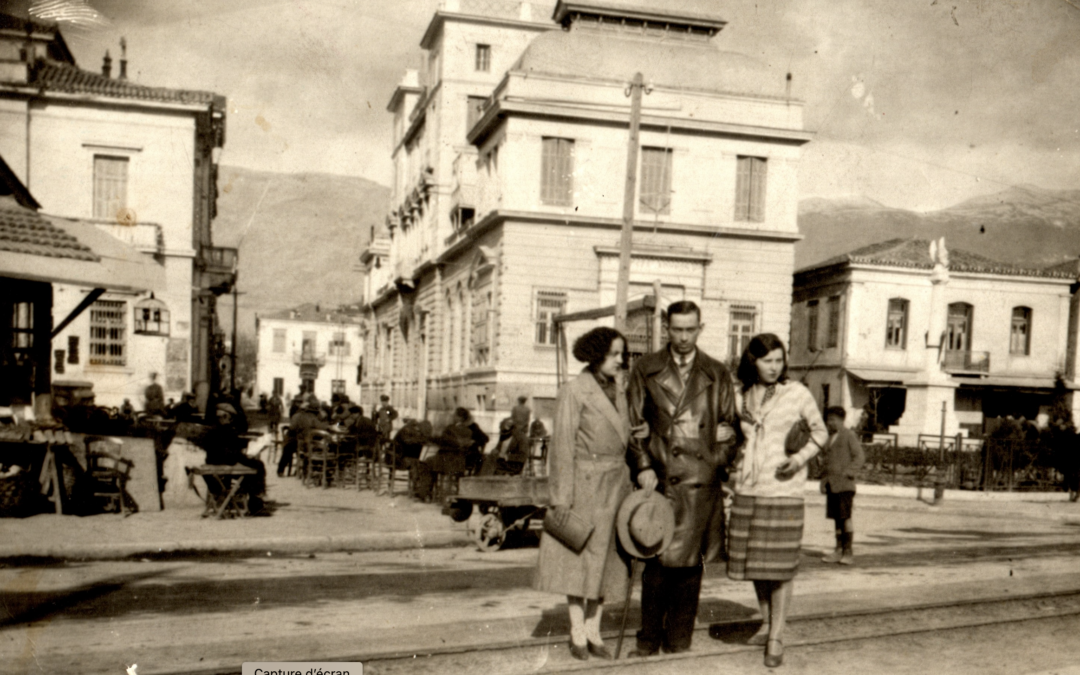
798,437
568,527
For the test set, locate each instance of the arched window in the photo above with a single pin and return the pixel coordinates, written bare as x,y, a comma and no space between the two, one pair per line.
1020,332
448,332
463,328
896,324
958,332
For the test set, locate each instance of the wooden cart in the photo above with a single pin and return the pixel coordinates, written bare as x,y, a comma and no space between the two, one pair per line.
493,506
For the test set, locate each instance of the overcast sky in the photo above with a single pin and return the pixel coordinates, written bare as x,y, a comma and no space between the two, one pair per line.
916,103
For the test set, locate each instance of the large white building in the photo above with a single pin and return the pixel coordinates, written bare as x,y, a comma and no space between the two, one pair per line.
311,347
140,162
886,329
510,157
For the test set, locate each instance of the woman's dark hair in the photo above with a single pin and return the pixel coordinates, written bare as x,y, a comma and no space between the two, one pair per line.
462,414
759,347
592,347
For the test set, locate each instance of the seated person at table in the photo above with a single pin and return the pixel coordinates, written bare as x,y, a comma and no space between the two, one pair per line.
367,435
492,459
306,418
461,450
409,441
225,446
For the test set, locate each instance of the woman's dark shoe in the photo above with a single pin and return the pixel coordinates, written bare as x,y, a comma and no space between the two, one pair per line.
600,651
774,653
640,653
579,652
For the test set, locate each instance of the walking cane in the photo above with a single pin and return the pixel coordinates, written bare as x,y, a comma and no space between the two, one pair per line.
626,606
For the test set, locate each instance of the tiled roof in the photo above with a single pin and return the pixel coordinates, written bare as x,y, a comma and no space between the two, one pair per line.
26,231
62,77
915,253
1070,267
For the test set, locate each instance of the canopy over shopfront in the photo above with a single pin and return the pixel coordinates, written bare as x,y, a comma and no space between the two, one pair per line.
37,251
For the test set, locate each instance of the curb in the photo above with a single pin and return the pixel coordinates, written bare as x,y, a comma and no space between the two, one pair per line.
389,541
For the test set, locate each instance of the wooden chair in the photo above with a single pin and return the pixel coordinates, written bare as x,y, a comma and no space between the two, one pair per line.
108,473
322,457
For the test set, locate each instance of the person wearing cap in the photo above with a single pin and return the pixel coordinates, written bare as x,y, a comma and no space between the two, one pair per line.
588,475
688,401
225,446
385,415
783,431
844,456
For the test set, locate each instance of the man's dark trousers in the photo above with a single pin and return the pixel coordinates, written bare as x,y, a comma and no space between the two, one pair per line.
669,604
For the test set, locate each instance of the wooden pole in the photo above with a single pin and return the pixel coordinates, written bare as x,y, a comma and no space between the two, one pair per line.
629,203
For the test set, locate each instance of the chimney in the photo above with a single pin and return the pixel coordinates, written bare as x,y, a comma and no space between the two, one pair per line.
106,65
123,58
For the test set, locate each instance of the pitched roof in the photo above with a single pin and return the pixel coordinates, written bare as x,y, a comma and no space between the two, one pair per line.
312,313
66,78
25,231
915,253
1070,267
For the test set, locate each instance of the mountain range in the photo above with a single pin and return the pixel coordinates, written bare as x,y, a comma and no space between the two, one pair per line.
300,236
1023,225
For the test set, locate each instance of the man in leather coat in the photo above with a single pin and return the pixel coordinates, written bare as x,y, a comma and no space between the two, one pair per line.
688,400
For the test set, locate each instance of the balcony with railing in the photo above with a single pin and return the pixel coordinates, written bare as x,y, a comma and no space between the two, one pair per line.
967,362
309,358
218,265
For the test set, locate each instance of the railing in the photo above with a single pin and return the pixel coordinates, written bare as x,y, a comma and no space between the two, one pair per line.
143,236
218,265
967,362
304,358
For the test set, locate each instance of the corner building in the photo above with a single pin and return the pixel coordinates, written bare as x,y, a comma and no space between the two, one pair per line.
508,199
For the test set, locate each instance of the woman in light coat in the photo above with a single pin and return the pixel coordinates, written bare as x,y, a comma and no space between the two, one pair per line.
588,473
766,526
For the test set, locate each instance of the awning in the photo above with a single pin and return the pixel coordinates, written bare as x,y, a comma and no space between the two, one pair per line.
999,382
44,248
873,376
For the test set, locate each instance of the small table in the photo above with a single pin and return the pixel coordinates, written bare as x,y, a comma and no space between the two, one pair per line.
230,501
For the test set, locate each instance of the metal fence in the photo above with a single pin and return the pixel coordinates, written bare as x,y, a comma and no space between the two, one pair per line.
959,463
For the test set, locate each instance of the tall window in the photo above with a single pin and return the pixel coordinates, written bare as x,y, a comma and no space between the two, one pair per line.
655,193
741,326
958,332
750,189
22,326
279,340
811,325
108,333
339,346
896,324
110,185
548,305
483,58
337,386
1020,337
833,338
307,345
279,386
480,335
474,111
557,172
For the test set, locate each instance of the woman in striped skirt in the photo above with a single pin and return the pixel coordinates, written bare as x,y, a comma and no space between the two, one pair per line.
766,525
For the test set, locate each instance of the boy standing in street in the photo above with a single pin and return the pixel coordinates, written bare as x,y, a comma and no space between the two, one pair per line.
843,457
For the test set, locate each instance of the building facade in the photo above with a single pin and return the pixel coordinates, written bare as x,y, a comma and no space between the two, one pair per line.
899,330
140,162
309,348
509,183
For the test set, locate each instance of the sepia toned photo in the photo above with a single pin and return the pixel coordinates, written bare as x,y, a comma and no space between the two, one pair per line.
502,337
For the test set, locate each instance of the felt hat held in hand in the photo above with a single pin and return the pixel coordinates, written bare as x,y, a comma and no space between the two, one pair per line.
645,523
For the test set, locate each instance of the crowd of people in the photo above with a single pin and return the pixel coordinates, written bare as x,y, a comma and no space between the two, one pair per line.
679,426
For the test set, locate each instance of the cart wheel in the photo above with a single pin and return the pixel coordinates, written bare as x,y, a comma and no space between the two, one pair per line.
459,511
487,531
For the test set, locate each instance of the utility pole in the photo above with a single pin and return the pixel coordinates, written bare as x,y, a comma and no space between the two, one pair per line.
622,289
232,347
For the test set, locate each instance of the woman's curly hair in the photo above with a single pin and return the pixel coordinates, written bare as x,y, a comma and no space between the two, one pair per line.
592,347
760,346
